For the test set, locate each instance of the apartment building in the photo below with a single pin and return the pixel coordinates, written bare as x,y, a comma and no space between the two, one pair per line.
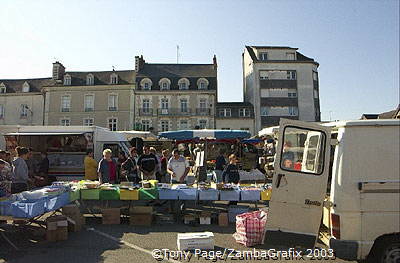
281,83
175,96
101,98
22,100
235,116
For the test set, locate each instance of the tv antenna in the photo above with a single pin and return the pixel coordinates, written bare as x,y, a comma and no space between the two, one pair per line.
177,54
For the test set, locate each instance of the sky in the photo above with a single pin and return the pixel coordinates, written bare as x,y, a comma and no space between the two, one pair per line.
355,42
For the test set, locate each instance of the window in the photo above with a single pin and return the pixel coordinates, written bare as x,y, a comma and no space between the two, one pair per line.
244,112
293,111
146,105
263,56
202,83
88,122
164,125
264,75
245,129
164,84
1,111
290,56
145,125
89,103
315,94
164,103
183,124
112,102
202,124
264,111
303,150
292,94
113,78
183,83
203,103
184,105
65,103
146,84
90,79
225,113
291,74
67,80
3,88
315,75
65,122
225,128
112,124
25,87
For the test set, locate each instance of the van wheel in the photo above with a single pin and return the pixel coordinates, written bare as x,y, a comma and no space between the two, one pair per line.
389,250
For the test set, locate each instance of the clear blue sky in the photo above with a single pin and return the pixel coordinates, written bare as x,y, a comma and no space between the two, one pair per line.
355,42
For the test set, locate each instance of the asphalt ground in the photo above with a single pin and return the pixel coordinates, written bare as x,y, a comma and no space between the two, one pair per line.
125,243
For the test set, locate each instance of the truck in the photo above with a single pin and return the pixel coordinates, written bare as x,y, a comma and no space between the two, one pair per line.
360,205
66,146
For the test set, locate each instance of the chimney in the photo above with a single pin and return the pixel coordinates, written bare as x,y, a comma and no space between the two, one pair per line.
139,63
58,71
215,62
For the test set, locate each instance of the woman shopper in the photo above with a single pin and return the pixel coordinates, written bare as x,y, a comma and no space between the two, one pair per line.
129,167
20,171
107,168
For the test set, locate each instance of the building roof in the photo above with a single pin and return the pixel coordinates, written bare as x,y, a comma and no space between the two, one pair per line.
393,114
78,78
35,85
174,72
299,56
234,104
369,116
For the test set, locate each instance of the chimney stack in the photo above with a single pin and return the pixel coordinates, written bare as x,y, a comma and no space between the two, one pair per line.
215,62
58,71
139,63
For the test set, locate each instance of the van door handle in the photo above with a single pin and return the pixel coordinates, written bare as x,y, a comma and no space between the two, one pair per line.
278,183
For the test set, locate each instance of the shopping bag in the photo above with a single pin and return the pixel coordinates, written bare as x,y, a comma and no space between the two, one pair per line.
250,228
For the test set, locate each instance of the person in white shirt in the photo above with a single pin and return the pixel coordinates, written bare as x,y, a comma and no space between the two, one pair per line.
178,167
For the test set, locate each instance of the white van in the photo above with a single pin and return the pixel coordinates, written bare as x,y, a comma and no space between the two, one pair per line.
66,146
361,207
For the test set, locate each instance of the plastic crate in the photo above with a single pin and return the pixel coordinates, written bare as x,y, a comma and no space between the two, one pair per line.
90,194
209,194
148,193
187,194
250,195
74,195
229,195
234,210
28,208
56,202
125,194
168,194
266,194
5,208
109,194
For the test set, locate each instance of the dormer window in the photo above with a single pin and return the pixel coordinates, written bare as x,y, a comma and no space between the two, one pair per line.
3,88
90,80
263,56
25,87
114,79
146,84
67,80
164,84
202,83
183,84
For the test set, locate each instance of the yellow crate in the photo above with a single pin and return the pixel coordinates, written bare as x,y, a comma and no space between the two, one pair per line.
266,194
126,194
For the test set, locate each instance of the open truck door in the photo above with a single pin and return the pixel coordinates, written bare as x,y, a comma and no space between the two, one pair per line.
299,184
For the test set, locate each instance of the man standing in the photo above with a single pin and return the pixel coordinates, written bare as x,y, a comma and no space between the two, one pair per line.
20,171
220,163
90,166
129,167
148,164
107,168
178,167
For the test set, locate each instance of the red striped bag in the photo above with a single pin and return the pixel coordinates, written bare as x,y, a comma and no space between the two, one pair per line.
250,228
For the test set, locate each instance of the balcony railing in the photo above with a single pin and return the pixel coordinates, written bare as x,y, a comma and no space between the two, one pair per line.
65,109
174,112
203,111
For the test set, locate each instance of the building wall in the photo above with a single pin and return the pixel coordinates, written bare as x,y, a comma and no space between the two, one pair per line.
100,114
174,115
12,108
235,124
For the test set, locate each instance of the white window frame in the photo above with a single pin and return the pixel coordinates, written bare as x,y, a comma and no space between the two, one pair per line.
162,127
183,84
292,94
244,112
115,106
25,87
144,82
164,84
186,125
89,79
202,81
164,103
202,121
88,122
62,108
85,106
186,108
67,122
263,56
291,74
114,79
146,101
146,127
225,112
115,119
293,111
205,103
67,80
291,56
23,111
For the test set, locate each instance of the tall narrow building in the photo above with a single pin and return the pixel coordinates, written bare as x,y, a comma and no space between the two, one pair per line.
281,83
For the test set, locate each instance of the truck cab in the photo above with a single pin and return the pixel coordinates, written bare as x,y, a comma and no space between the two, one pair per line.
361,208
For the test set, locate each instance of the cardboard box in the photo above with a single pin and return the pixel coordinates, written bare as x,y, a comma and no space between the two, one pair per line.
223,219
76,224
189,219
205,218
111,216
71,210
51,226
140,219
141,210
62,233
191,241
51,235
